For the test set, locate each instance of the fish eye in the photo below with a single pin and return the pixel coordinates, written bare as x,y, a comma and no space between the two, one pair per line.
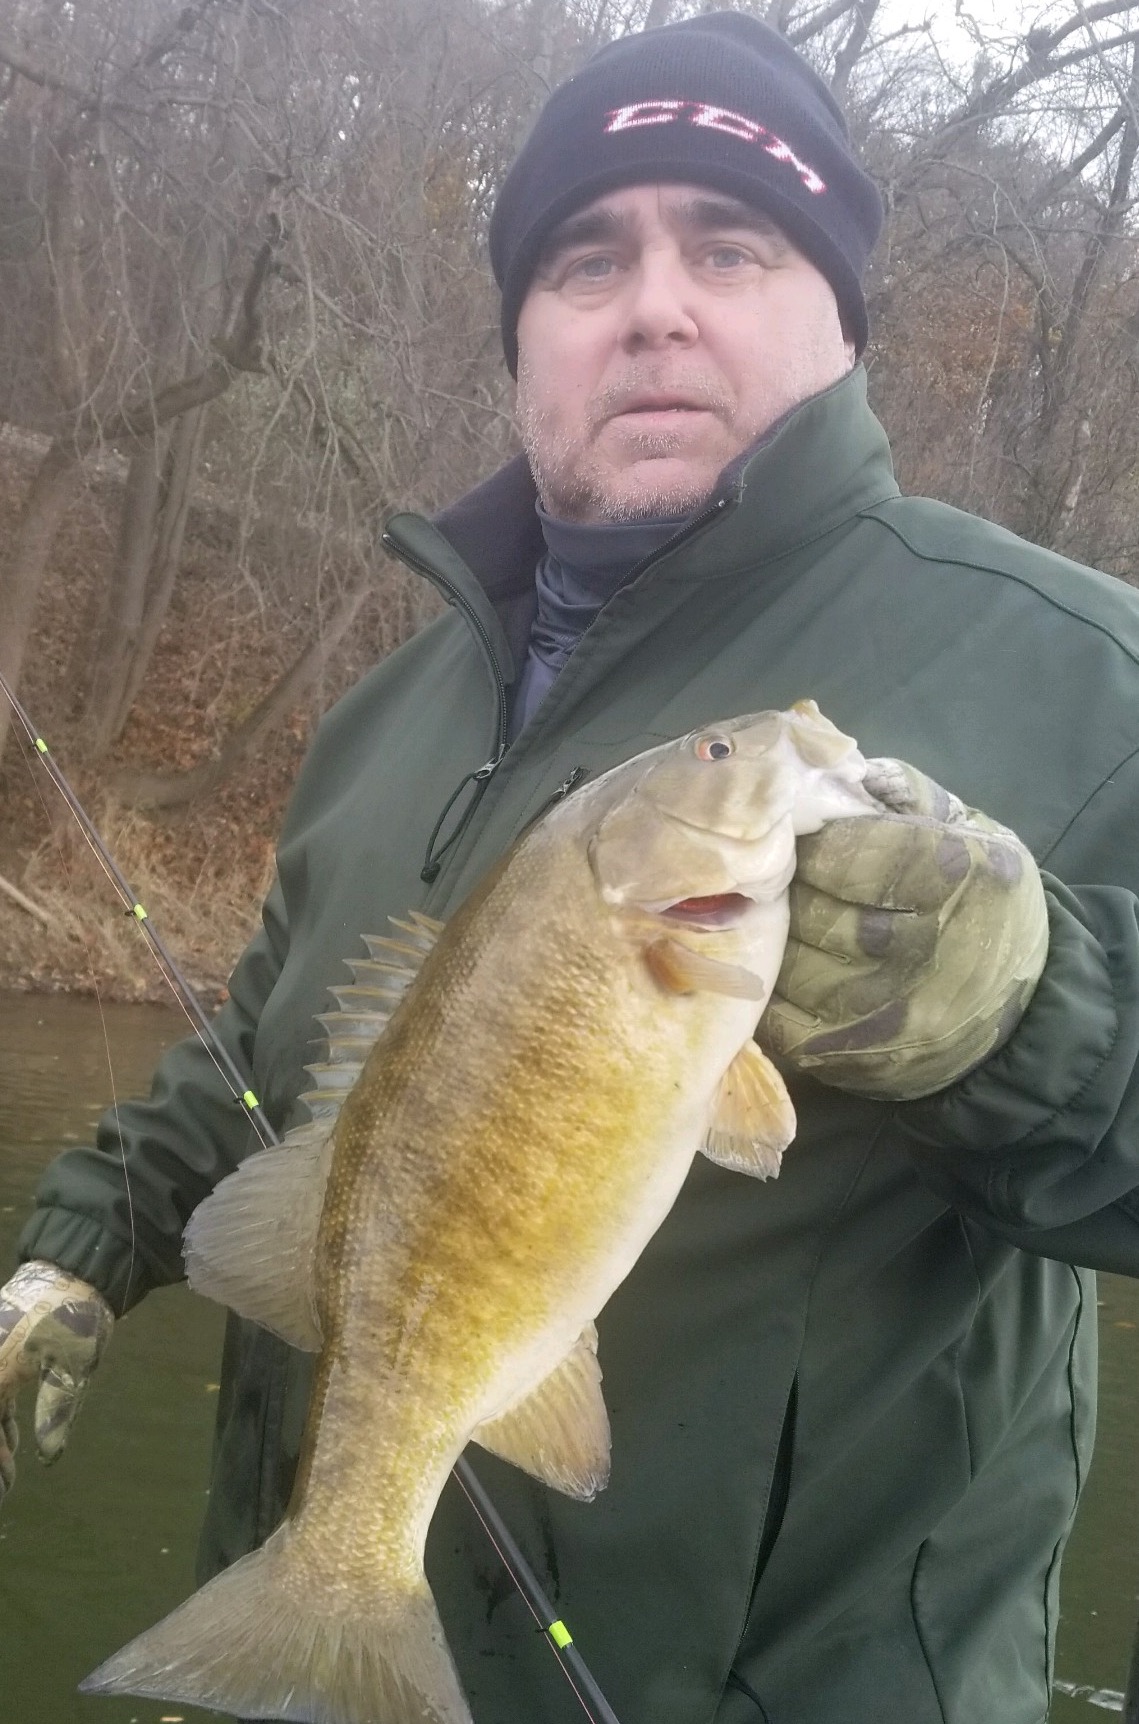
714,747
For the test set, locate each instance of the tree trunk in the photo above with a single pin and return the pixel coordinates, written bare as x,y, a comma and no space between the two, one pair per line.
117,639
52,489
1057,472
850,53
182,465
175,790
659,13
165,436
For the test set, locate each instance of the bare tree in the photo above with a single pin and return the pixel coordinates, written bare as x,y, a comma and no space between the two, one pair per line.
1002,296
245,250
92,124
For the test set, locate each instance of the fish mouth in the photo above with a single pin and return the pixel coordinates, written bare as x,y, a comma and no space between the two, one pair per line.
719,910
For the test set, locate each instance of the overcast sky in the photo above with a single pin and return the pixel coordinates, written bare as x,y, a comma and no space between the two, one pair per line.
943,15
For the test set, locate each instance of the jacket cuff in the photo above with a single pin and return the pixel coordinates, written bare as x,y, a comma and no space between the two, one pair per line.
1027,1138
83,1246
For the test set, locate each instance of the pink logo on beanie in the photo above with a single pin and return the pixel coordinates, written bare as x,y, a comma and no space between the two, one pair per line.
669,110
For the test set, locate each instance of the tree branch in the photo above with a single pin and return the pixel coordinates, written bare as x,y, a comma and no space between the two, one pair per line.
25,68
992,98
1109,226
162,45
172,790
240,351
818,21
1080,20
26,904
847,57
1077,165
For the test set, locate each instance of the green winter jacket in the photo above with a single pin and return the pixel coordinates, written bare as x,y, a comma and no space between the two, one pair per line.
852,1408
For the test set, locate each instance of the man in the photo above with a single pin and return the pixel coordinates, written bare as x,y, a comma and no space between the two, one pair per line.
852,1408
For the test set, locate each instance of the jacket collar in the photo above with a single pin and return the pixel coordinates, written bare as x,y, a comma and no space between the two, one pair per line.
821,465
496,531
824,463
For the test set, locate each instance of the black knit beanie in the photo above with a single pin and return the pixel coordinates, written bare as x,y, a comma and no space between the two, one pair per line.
720,100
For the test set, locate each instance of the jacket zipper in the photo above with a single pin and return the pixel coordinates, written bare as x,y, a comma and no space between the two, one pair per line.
685,532
480,778
560,794
482,775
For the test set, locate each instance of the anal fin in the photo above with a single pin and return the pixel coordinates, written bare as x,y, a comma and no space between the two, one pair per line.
753,1119
559,1432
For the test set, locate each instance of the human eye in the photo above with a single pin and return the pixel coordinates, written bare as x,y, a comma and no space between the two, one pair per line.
725,255
593,267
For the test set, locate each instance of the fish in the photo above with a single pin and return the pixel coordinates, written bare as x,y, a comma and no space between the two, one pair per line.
508,1110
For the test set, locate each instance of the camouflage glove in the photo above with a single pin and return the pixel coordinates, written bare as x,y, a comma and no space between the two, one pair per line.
52,1326
916,942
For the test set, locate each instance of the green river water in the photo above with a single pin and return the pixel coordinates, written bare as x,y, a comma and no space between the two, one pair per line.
102,1545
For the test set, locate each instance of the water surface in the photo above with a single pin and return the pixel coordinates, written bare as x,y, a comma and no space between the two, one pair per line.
99,1546
102,1545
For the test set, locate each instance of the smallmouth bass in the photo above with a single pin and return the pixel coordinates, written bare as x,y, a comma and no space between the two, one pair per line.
508,1112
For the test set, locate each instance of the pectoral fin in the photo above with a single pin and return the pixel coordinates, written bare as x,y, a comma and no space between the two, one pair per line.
252,1243
753,1120
559,1432
679,970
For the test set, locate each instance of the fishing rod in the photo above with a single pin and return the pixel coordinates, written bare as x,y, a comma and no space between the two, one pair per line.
558,1636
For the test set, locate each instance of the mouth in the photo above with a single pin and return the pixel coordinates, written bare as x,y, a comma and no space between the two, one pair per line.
659,406
721,910
664,406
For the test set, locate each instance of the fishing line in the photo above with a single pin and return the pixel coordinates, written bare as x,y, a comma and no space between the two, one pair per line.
556,1635
99,1003
172,974
48,761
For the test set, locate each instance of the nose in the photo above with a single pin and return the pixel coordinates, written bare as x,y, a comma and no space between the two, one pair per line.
660,311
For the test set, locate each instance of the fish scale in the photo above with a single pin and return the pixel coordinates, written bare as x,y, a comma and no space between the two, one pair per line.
472,1188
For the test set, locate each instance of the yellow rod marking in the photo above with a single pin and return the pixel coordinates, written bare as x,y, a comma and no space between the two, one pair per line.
250,1099
560,1635
41,744
138,913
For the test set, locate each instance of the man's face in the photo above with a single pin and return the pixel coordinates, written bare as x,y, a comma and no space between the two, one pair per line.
666,328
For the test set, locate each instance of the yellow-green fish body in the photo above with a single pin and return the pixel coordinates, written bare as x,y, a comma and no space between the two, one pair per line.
516,1135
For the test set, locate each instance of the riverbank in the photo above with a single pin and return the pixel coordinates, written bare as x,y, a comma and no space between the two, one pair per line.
243,609
201,885
200,870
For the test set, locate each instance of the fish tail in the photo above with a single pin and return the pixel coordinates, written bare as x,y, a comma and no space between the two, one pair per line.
259,1642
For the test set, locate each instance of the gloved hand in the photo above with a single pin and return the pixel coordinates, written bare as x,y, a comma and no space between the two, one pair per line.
916,941
52,1326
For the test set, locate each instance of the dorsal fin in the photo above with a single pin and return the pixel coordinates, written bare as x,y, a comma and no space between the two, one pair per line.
400,953
354,998
365,1007
353,1034
370,972
423,930
366,1004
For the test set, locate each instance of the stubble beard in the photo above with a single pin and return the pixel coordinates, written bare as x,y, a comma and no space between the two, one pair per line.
576,484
